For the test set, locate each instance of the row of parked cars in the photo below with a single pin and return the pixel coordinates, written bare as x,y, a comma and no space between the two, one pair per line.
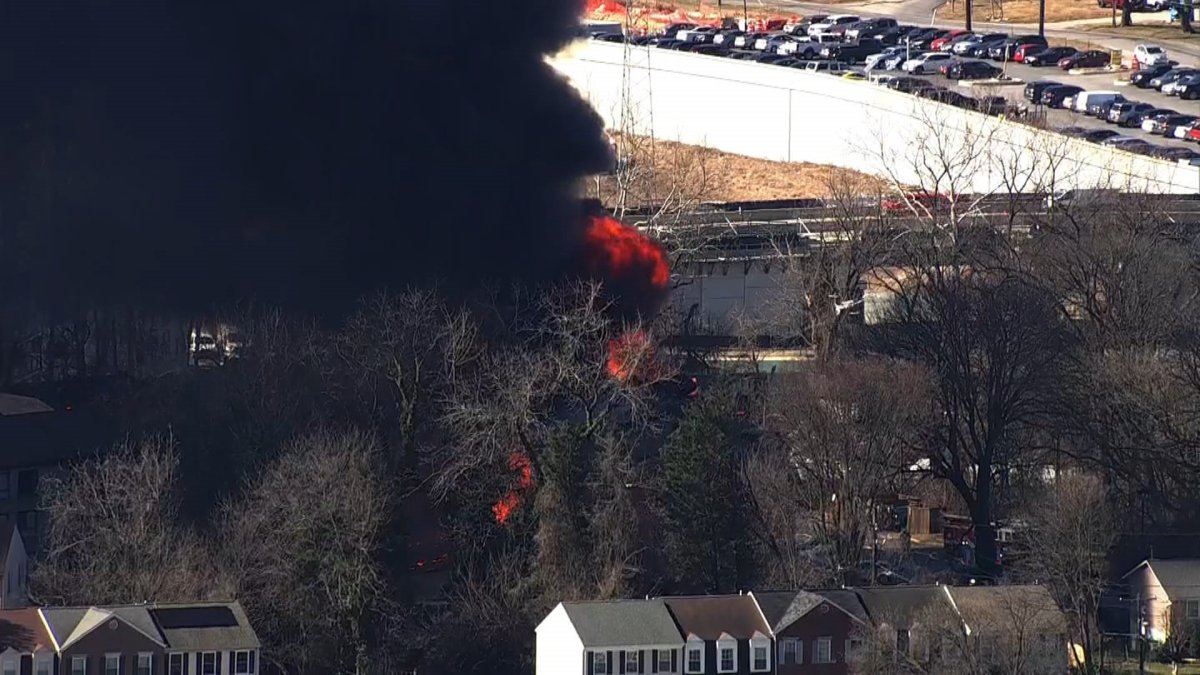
1114,108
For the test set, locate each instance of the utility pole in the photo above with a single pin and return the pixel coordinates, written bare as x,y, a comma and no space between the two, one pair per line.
970,7
1141,636
1042,18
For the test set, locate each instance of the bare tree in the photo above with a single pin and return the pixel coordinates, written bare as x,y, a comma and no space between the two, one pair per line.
840,436
1070,530
114,536
302,548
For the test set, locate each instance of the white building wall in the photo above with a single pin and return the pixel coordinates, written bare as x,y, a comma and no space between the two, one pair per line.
16,574
784,114
558,651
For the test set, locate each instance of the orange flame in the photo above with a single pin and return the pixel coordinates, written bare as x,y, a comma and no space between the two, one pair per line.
615,251
518,463
627,354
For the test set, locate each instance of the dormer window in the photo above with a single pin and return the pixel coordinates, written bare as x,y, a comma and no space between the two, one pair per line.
726,654
694,655
760,653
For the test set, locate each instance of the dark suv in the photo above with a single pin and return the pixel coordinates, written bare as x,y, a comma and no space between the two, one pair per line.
1033,90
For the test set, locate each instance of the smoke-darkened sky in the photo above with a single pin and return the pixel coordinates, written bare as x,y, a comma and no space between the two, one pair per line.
302,151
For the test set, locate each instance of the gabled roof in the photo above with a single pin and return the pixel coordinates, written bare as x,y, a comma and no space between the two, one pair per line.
848,601
7,531
774,605
12,404
204,626
901,605
1031,606
68,625
1180,577
708,617
22,630
620,623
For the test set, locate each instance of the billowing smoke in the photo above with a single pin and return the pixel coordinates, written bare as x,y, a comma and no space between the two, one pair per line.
300,152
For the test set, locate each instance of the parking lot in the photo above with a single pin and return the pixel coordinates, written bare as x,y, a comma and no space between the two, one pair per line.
842,43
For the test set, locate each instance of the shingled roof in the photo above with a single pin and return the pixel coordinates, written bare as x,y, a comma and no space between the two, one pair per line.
1179,577
620,623
710,617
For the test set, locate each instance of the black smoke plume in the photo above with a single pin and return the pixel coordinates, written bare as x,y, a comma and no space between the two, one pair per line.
299,152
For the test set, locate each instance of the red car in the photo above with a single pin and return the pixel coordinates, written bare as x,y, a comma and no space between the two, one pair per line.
936,45
1023,50
1193,134
931,201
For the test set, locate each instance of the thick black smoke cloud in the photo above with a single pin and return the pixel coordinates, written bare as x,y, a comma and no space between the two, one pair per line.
299,152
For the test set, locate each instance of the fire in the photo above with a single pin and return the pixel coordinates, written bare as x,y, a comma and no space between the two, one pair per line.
517,463
617,252
627,353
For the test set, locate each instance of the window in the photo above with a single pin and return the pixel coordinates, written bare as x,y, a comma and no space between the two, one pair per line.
823,652
631,661
760,659
664,660
5,493
695,659
78,665
728,659
43,666
208,663
175,664
27,481
112,664
241,663
902,640
1192,609
793,651
10,667
600,663
145,664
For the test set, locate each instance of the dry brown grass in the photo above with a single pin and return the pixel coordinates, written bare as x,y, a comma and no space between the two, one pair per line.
685,174
1024,11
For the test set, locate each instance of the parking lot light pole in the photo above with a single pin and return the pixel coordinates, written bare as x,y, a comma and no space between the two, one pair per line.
1042,18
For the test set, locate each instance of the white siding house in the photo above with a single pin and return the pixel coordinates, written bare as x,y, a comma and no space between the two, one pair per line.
14,568
621,637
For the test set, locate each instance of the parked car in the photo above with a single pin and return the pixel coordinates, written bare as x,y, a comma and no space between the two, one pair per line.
1193,134
711,50
990,105
947,96
1179,154
1097,106
1098,135
1165,125
1141,78
728,37
1126,143
834,20
1003,50
1180,128
868,27
977,45
1150,55
829,67
1122,113
1136,119
1083,98
1049,56
1170,76
801,28
1187,88
672,30
1184,85
1033,90
749,40
1027,49
873,60
1092,58
919,200
1056,96
945,41
1149,122
924,63
908,84
852,53
924,41
972,70
699,34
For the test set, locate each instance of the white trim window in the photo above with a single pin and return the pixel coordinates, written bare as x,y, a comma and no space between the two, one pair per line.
78,665
241,663
145,663
10,667
600,663
631,661
695,657
112,664
175,663
760,654
790,651
208,663
726,655
664,660
1191,609
42,664
823,650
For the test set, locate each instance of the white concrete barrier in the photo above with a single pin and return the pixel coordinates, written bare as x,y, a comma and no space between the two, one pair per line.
784,114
